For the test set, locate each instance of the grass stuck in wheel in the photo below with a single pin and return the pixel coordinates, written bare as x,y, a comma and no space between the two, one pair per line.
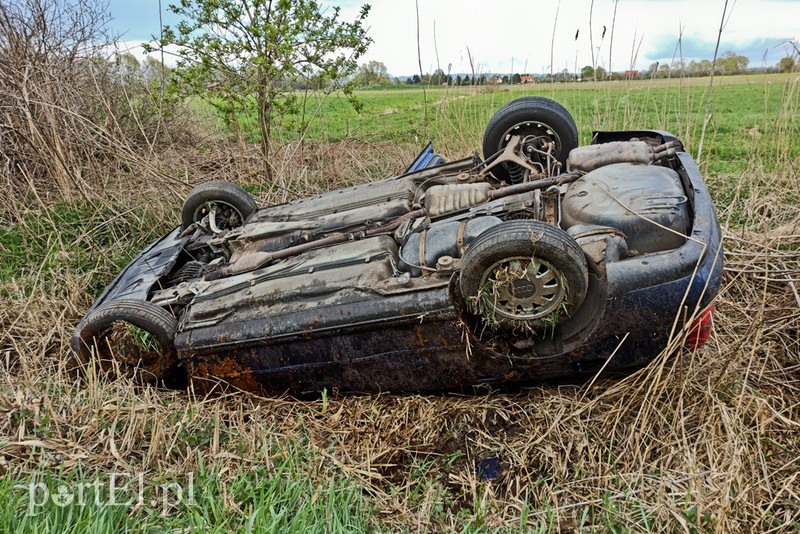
525,294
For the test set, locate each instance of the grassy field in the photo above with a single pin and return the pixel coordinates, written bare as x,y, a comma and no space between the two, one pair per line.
739,105
692,443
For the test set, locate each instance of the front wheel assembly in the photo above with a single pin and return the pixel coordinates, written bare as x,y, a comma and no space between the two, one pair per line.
524,274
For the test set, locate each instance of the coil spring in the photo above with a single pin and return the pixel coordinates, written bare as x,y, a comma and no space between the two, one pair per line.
517,174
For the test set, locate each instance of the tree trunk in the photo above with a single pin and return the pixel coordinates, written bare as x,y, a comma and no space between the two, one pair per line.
264,123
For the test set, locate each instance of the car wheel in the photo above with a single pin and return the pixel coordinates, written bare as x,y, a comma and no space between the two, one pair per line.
231,204
129,338
524,273
534,116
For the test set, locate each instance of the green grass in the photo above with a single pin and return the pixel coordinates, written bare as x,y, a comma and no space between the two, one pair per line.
74,240
281,495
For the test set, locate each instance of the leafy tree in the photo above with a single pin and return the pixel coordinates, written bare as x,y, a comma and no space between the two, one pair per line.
652,71
127,63
733,64
372,73
466,81
438,77
416,80
458,80
516,79
786,64
587,72
600,73
506,79
242,55
153,71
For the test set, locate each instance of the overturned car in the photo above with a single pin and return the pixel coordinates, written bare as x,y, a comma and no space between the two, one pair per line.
543,259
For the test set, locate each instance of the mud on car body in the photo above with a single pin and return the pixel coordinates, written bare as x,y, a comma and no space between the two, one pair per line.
543,259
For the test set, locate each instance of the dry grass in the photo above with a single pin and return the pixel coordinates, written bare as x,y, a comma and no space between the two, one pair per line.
708,440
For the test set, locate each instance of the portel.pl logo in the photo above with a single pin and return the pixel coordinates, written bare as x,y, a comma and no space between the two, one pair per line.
119,489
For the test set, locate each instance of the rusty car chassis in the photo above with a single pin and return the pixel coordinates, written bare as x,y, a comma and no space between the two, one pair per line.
542,260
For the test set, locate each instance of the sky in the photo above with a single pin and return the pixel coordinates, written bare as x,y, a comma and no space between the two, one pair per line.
527,36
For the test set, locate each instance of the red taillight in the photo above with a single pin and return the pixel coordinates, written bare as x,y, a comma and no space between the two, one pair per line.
700,329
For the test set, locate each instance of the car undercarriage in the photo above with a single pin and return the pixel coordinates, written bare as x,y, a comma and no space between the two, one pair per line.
544,259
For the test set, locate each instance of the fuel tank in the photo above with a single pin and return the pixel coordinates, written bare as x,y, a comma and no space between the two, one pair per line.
647,203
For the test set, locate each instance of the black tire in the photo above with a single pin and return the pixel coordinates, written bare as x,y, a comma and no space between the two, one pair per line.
234,205
496,275
529,115
145,353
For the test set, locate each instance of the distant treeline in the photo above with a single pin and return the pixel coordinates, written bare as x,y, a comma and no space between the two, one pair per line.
375,73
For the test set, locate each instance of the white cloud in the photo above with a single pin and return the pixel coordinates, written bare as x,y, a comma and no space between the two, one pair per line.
135,48
521,31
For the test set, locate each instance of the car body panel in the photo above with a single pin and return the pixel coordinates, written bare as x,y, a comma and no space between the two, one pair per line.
145,270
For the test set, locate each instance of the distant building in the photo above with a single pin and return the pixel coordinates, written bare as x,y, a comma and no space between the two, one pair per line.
528,79
631,73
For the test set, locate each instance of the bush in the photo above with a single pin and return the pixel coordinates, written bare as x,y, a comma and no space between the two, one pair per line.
70,111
